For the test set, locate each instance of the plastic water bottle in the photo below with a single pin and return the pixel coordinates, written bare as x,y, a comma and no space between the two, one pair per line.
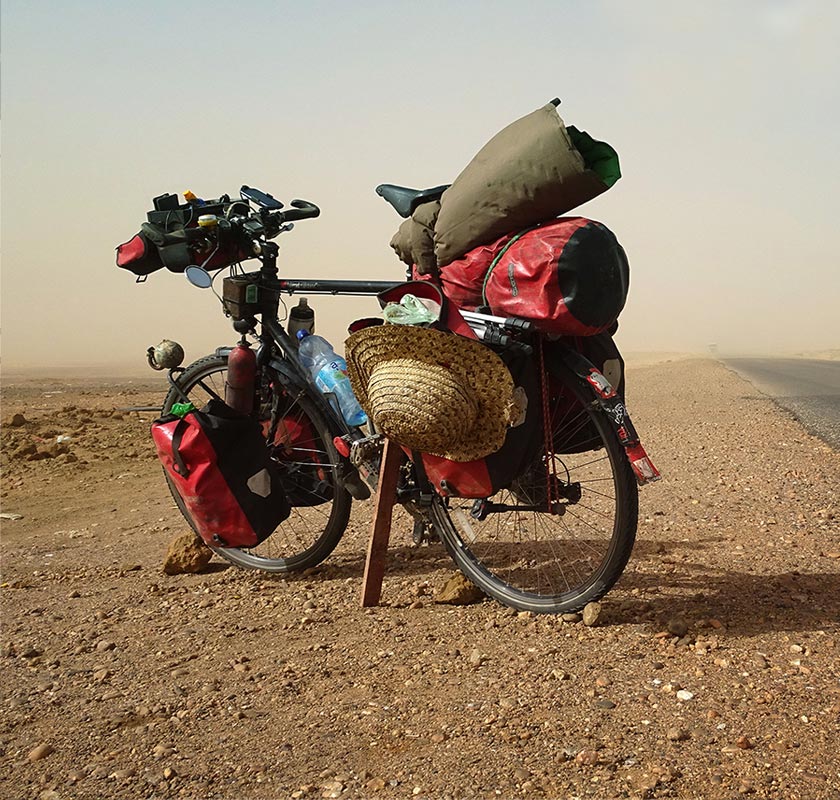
329,371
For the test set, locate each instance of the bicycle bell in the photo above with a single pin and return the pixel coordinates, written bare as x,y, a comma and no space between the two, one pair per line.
166,355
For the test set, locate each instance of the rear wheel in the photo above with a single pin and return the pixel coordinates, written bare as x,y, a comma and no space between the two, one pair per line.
305,452
552,563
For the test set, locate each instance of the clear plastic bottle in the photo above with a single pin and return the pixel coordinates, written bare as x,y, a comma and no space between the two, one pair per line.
329,371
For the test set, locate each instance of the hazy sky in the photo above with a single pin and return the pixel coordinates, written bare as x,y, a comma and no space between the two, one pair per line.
725,116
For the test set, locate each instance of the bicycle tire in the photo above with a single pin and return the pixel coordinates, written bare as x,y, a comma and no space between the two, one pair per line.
310,534
526,559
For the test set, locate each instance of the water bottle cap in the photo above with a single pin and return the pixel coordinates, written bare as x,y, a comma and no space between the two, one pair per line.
302,333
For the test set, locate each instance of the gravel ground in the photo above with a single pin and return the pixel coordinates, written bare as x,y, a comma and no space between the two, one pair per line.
714,671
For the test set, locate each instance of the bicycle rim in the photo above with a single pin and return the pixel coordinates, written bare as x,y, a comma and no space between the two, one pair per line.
553,563
310,464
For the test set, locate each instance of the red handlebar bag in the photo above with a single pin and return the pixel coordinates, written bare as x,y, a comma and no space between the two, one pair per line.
218,462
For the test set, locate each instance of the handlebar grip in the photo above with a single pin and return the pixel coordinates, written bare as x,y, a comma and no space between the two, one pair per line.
301,209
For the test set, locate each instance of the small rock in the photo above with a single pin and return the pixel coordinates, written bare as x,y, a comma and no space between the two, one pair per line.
375,784
169,773
591,614
459,591
759,660
677,626
41,751
677,735
332,789
162,750
477,658
521,774
104,646
437,738
122,774
573,618
587,757
684,695
187,553
743,743
17,421
605,703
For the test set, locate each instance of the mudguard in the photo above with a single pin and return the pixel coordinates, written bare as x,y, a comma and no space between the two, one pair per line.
616,411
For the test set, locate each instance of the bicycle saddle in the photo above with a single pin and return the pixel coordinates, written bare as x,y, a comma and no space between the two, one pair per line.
405,200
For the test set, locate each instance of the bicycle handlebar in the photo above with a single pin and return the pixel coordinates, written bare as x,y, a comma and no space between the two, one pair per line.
301,209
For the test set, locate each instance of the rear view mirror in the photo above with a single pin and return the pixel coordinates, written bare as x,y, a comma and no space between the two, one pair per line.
198,277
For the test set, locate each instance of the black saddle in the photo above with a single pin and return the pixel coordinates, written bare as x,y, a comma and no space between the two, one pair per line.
405,200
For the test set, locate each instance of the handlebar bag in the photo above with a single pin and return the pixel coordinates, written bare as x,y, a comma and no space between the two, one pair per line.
218,462
139,255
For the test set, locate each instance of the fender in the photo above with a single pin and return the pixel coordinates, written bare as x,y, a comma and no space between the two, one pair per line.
616,412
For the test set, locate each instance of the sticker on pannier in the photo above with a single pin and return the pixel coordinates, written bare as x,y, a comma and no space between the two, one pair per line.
218,463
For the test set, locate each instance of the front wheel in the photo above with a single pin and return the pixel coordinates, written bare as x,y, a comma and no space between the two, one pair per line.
303,449
543,562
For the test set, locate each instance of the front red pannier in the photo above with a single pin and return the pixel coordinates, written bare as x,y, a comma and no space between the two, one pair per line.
569,276
217,461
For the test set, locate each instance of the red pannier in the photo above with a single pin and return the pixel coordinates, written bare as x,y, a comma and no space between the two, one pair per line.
569,276
218,463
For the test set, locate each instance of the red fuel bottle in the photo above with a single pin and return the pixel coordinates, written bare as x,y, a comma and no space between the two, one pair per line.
241,376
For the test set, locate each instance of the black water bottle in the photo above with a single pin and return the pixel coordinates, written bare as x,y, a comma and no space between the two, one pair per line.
301,318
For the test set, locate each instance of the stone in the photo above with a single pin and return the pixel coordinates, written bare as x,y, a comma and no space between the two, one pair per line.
17,421
572,618
459,591
677,626
677,735
41,751
587,757
591,614
187,553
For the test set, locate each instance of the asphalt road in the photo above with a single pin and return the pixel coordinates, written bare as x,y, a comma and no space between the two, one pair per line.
809,388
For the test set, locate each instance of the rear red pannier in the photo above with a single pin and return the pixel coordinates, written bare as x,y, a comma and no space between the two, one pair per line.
569,276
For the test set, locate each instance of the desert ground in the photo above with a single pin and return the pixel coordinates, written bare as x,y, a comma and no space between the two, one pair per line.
714,671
